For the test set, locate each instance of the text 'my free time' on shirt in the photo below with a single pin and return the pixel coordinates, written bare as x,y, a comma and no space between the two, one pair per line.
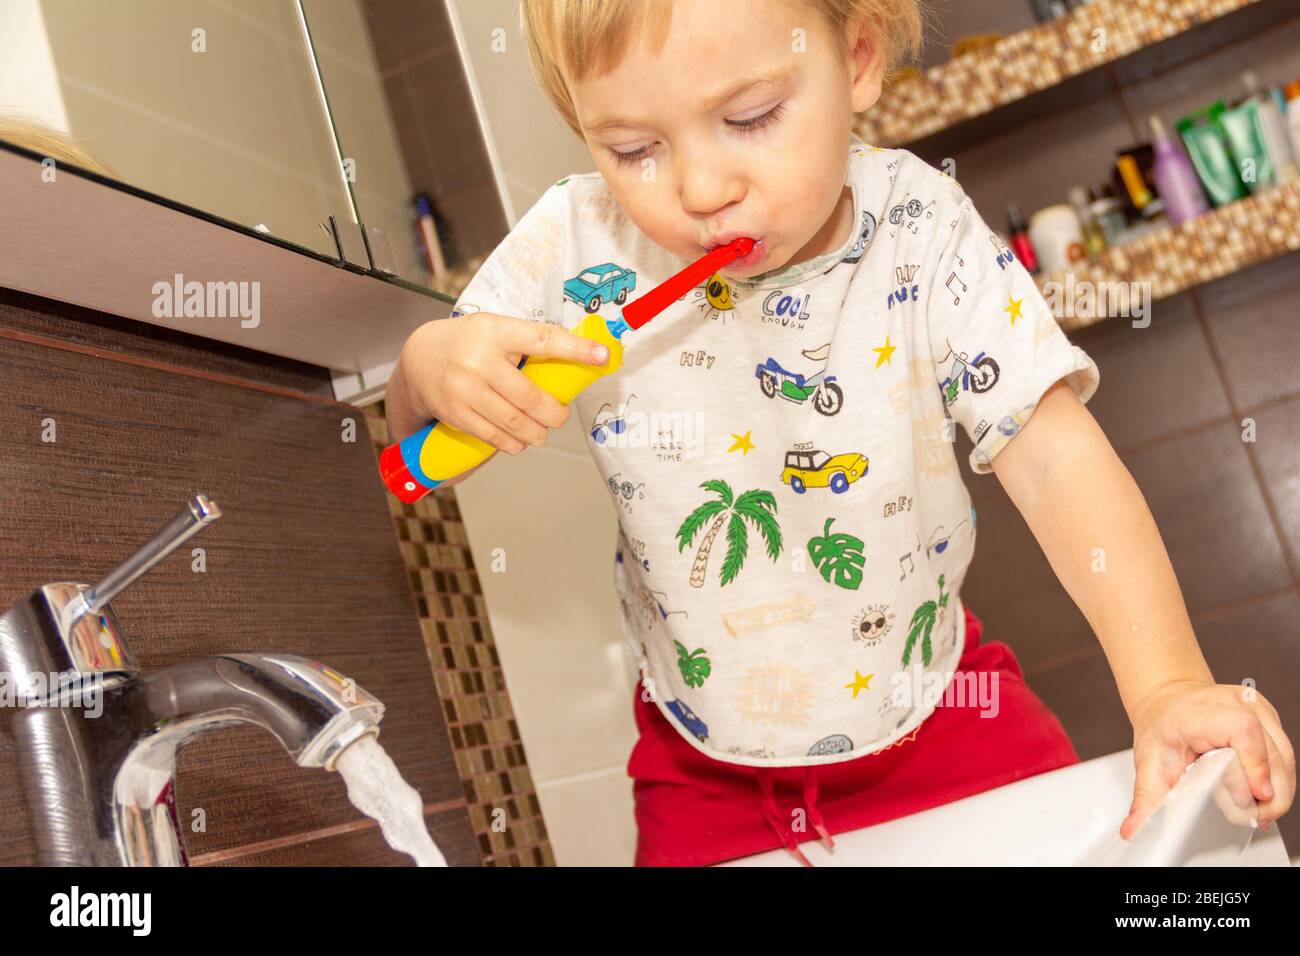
793,526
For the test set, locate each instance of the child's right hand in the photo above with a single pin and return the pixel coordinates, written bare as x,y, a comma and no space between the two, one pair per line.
464,371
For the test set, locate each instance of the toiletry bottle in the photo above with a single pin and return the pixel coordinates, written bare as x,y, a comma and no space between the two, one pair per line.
1277,139
1094,240
1132,182
1020,243
1208,148
1175,177
1246,125
1057,237
1293,116
1108,212
1047,10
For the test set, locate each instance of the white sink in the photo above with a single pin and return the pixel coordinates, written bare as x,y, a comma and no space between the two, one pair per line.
1066,817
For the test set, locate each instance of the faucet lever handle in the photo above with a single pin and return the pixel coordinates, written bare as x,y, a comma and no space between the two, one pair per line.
198,512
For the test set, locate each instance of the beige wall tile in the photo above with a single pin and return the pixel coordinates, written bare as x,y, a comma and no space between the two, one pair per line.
554,611
589,819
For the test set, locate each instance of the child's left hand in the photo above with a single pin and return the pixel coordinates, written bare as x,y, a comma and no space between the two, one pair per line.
1179,721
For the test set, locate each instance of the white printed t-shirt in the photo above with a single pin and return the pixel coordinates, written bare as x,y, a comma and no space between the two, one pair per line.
793,527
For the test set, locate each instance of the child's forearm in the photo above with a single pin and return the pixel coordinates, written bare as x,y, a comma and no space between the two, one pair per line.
398,411
1097,532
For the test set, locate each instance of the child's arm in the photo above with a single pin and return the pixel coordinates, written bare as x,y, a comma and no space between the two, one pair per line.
463,369
1094,526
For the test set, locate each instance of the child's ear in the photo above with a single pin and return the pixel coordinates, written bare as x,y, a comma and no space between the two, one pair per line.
866,63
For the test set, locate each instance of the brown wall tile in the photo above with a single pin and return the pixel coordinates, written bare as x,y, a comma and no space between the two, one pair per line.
302,561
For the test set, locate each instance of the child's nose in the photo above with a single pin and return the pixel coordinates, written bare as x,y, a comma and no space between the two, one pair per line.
709,184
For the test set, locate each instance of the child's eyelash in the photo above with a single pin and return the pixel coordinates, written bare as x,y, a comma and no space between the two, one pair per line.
773,115
761,122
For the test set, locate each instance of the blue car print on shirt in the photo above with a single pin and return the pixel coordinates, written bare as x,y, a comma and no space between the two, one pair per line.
592,288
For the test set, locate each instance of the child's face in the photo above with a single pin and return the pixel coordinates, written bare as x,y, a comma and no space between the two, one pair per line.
691,177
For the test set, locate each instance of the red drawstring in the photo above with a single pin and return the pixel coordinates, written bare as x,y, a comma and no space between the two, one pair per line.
814,815
773,814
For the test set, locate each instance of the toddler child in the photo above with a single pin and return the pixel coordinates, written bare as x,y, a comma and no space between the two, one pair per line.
794,528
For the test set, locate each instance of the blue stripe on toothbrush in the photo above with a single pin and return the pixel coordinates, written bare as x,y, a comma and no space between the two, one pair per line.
411,446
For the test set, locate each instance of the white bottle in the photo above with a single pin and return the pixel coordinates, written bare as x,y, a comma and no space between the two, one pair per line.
1277,138
1293,115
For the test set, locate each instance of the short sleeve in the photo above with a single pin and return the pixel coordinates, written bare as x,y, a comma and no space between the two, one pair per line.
995,344
523,275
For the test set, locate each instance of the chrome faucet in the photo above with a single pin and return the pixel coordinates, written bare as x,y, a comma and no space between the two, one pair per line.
97,740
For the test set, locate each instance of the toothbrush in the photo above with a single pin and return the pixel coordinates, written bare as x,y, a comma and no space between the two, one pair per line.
439,452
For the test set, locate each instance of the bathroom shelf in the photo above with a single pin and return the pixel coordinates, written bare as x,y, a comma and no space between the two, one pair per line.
992,89
1229,239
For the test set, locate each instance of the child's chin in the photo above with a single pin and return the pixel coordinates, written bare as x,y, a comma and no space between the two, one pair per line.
753,273
768,263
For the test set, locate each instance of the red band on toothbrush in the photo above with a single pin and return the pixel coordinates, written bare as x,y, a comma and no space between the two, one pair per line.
641,311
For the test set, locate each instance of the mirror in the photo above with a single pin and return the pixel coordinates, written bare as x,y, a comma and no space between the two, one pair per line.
407,92
211,103
369,140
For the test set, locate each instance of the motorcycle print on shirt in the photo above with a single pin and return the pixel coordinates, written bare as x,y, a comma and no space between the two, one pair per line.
826,394
976,375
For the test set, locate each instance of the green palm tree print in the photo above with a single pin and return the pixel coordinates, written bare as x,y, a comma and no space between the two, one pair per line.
839,553
695,667
922,624
753,506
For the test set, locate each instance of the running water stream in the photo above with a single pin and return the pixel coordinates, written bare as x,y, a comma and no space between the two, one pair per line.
376,788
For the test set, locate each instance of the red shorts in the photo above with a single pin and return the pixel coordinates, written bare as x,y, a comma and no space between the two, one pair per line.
692,810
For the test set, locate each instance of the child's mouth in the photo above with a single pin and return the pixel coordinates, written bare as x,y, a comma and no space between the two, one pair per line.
755,256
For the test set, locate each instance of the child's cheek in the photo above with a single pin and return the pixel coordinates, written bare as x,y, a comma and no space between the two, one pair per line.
642,205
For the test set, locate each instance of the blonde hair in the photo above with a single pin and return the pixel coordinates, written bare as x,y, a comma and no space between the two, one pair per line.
582,38
49,142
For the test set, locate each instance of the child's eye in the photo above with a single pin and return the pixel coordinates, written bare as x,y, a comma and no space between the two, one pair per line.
628,159
760,122
774,115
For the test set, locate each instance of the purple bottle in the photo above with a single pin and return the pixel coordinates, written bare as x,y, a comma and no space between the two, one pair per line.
1175,177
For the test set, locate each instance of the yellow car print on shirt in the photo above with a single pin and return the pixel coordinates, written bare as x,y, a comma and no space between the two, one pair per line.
816,469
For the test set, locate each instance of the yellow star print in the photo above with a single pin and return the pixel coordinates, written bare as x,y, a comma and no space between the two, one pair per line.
1013,309
742,442
859,683
885,353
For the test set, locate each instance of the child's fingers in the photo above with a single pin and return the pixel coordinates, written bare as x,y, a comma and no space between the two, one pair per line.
1149,789
472,420
1281,771
1268,716
509,418
1237,785
1245,734
484,430
544,338
530,398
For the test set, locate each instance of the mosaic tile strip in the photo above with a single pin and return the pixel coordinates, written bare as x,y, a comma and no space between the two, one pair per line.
922,104
467,672
1223,241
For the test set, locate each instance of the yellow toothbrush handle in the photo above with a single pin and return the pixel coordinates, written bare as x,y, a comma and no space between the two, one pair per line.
439,452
